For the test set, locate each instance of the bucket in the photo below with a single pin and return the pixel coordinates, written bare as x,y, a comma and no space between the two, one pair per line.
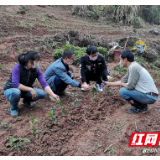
116,54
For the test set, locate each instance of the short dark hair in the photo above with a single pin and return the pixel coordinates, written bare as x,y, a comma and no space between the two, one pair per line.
91,50
23,58
127,54
67,53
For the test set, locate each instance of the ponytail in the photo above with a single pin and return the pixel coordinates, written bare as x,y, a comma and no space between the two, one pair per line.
23,58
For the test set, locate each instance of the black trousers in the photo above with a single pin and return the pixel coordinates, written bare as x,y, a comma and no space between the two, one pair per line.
97,77
60,85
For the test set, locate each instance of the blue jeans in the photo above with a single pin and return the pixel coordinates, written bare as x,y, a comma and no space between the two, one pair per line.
14,95
138,96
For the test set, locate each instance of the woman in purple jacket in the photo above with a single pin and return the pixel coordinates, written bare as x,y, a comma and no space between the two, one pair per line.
19,85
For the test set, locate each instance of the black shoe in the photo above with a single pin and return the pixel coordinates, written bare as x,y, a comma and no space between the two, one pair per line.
136,110
28,104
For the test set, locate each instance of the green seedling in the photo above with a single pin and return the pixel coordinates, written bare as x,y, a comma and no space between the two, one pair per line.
59,102
4,53
64,110
3,125
77,100
32,125
52,118
108,91
20,51
23,11
15,142
95,92
0,66
36,48
54,44
19,118
73,94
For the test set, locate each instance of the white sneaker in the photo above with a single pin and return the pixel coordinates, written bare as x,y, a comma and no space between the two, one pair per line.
98,87
82,89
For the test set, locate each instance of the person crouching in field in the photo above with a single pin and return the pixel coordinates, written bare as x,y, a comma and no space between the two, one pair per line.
19,85
93,68
138,87
59,76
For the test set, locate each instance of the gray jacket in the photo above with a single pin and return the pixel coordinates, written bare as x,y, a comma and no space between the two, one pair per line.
58,69
138,78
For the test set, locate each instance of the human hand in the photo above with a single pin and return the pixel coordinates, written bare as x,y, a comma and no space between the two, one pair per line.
110,79
86,87
105,84
33,93
56,97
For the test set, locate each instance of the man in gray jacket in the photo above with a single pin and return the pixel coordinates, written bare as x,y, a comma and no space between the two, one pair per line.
138,87
59,76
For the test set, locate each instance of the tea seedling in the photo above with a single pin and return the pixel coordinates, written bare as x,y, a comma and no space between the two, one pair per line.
108,91
77,100
64,110
32,125
4,53
3,125
95,92
59,102
52,118
0,66
14,142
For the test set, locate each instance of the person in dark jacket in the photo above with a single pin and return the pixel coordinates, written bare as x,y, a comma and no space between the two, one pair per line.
93,68
20,83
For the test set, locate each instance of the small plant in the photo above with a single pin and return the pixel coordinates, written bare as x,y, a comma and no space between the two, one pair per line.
64,110
111,150
23,11
54,44
59,102
95,92
20,51
19,118
77,100
4,53
108,91
139,59
3,125
36,48
120,69
14,142
32,123
74,94
52,118
0,66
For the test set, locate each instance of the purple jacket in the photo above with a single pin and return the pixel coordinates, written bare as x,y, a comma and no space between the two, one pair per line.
16,77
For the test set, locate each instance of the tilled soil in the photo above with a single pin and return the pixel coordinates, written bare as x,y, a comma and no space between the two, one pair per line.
85,128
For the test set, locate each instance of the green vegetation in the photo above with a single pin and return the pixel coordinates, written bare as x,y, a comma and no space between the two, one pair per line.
15,142
0,66
139,59
32,125
23,11
77,100
52,117
59,102
120,69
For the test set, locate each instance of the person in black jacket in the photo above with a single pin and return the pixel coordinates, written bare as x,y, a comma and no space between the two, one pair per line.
93,68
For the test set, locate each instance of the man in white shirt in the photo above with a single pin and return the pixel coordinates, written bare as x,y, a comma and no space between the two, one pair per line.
138,87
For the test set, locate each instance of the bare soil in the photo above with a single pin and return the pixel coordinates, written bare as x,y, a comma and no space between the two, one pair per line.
85,129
